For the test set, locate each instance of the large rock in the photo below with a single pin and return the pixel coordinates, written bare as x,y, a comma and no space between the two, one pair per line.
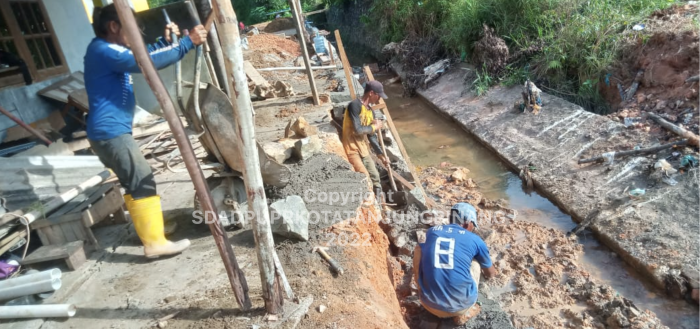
307,147
278,151
290,218
302,128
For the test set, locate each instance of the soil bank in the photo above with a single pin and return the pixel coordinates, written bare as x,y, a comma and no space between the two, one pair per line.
640,231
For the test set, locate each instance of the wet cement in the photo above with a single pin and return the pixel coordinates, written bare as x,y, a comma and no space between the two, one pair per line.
431,139
329,188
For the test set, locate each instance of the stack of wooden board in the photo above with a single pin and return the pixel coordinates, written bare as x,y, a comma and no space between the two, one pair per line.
73,221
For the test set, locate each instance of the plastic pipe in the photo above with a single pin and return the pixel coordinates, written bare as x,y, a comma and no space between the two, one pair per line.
37,311
30,288
28,278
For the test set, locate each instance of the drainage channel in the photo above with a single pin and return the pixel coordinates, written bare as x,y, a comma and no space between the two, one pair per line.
430,139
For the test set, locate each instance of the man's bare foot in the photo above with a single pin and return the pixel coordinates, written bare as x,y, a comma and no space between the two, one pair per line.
472,312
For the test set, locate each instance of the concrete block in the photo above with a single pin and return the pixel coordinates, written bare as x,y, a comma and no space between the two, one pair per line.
290,218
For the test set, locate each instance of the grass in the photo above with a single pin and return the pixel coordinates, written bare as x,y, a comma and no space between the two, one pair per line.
482,82
581,38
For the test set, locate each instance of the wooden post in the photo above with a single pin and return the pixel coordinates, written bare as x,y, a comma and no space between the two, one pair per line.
428,202
245,129
235,275
346,65
304,50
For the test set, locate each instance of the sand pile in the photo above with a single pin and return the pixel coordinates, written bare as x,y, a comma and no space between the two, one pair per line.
280,24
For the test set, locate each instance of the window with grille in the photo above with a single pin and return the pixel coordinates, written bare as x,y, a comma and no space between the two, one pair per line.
26,35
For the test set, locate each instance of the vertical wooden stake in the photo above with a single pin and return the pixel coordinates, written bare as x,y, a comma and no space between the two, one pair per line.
133,33
428,202
346,65
245,131
304,50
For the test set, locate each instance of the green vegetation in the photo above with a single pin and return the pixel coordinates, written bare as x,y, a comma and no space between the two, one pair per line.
579,39
255,11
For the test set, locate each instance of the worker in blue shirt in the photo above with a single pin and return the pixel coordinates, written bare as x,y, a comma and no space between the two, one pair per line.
108,66
447,266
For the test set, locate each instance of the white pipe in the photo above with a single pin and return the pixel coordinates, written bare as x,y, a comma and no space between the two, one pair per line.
60,200
34,277
30,288
294,68
37,311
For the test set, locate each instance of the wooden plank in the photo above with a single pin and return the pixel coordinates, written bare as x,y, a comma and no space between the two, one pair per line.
346,65
72,252
429,202
295,7
5,240
396,176
110,203
67,229
21,234
75,204
55,235
253,74
62,89
43,238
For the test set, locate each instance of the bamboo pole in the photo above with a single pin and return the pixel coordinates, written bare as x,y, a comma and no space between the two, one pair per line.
304,51
346,65
235,275
245,129
428,202
692,138
649,150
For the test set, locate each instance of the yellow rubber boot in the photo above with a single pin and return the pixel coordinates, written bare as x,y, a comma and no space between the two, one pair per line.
147,216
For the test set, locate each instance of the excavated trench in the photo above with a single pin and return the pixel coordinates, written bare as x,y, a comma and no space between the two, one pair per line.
431,139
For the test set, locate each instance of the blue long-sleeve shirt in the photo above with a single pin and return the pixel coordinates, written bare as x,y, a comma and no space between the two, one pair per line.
109,86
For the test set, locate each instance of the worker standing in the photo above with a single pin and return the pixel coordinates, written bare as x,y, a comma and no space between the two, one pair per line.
446,266
108,66
358,122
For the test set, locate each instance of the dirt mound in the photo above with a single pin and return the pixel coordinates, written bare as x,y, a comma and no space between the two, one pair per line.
491,52
661,59
279,24
271,44
414,54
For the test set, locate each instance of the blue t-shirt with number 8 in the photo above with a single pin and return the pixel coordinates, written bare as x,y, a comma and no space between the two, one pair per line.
446,257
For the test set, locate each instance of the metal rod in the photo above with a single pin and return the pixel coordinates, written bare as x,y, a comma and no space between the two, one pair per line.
304,51
245,131
235,275
26,126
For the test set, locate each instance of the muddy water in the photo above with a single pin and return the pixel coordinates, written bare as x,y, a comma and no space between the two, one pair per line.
431,139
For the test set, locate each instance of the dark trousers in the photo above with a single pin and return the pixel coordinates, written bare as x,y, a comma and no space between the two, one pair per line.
122,155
